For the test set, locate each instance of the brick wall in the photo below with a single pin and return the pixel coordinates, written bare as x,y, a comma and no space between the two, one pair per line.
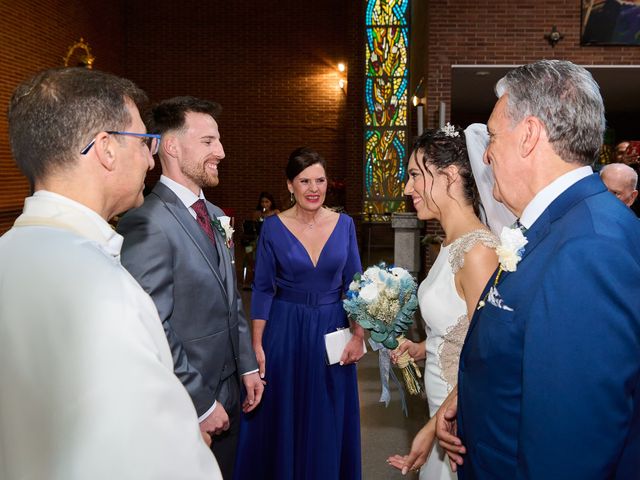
34,35
273,69
504,32
501,33
271,66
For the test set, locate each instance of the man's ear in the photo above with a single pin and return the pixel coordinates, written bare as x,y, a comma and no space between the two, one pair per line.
532,130
634,195
105,151
169,145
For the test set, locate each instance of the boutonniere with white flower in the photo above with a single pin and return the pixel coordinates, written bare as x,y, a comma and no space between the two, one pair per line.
511,248
223,225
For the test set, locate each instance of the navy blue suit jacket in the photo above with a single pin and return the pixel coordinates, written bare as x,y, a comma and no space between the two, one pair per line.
550,390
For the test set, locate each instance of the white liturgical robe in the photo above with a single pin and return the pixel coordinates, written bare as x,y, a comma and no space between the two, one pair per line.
87,389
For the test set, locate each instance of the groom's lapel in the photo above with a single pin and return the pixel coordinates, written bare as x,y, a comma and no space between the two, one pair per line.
191,228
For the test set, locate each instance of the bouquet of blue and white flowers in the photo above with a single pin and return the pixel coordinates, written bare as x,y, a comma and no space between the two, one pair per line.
383,300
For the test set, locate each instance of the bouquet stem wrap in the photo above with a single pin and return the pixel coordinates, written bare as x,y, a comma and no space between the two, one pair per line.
410,371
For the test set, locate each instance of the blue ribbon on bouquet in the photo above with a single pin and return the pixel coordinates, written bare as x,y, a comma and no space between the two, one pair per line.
384,362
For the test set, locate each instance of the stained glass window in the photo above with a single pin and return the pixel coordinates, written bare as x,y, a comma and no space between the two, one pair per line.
387,77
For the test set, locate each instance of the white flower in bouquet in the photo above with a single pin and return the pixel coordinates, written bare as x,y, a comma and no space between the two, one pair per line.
369,292
401,273
372,274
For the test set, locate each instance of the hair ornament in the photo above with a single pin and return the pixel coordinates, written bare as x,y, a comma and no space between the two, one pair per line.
450,131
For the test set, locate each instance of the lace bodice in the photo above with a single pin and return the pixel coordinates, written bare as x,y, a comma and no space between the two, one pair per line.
466,242
445,314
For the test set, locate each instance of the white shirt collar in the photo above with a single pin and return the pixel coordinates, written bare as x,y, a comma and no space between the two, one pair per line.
186,196
76,216
548,194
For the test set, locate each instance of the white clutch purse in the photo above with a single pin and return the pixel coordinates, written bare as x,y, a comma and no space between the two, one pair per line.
335,342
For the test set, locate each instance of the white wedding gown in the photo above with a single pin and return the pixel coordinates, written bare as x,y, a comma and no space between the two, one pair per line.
446,324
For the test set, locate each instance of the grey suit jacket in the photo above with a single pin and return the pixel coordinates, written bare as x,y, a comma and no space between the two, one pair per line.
172,258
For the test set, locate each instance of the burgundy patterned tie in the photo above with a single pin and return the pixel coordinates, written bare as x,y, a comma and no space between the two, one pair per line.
203,219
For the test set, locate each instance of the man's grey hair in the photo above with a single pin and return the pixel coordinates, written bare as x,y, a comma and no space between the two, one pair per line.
566,98
55,113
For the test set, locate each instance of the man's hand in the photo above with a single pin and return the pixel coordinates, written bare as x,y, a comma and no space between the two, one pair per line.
217,421
447,429
255,386
206,437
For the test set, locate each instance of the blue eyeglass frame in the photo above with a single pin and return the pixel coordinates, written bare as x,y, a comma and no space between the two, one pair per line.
150,136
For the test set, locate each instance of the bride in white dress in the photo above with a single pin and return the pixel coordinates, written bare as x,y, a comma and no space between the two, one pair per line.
442,186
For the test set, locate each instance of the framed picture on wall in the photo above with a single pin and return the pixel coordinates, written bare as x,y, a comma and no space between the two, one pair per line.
610,22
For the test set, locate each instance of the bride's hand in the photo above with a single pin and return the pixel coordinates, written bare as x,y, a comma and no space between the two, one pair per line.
417,351
420,450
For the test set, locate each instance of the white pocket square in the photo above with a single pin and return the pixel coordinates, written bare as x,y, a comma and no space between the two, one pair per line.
494,298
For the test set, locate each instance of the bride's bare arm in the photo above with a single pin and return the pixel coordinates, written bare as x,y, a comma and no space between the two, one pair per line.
479,264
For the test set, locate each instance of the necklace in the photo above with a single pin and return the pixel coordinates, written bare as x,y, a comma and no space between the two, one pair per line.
307,224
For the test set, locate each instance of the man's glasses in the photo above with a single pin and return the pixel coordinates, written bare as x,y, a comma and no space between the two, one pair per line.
151,140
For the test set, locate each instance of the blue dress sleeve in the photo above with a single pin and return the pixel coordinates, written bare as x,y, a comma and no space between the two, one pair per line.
352,265
263,288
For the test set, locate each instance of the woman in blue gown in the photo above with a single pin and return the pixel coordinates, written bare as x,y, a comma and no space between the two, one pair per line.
308,423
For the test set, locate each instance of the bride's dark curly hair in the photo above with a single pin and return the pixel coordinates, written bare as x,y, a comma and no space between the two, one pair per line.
441,149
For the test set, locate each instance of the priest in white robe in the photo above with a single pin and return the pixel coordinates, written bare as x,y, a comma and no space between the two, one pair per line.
87,389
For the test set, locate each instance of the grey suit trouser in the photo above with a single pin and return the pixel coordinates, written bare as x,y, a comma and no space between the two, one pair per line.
224,446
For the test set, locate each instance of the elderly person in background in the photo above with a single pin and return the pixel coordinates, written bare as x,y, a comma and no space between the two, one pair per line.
621,180
621,151
87,388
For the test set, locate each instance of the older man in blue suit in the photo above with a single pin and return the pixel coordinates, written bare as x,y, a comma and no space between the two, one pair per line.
549,380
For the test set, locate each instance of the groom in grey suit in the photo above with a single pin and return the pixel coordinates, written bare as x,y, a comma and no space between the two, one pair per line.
182,255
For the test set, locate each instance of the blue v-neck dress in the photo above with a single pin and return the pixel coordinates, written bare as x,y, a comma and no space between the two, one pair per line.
308,423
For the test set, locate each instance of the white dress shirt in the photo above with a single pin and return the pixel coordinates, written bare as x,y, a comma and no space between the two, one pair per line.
548,194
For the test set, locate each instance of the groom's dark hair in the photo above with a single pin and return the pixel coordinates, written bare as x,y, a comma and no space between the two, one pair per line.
170,115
